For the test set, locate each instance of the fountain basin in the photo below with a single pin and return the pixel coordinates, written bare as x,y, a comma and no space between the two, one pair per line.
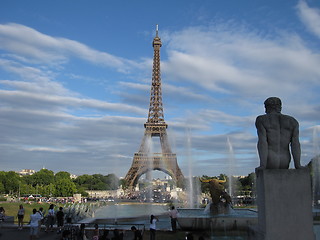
125,215
196,219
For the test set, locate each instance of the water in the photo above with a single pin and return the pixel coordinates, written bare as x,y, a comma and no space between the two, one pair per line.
231,168
130,210
193,185
231,164
132,214
190,167
238,220
200,213
150,151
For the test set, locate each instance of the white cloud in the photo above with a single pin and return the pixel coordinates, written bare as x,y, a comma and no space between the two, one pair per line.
239,62
310,17
55,150
37,47
20,98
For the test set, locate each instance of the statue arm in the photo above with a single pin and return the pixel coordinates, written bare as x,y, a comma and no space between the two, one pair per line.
295,147
262,143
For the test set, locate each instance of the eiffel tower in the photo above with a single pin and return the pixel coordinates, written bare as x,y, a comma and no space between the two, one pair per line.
144,160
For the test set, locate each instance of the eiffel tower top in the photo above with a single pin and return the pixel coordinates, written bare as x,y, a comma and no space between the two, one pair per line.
156,116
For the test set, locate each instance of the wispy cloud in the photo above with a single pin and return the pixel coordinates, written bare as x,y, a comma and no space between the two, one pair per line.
240,62
310,17
37,47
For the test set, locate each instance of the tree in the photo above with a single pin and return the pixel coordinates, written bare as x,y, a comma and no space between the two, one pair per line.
65,188
99,182
2,177
26,189
2,189
85,181
124,184
112,182
248,183
11,182
42,177
82,191
61,174
47,190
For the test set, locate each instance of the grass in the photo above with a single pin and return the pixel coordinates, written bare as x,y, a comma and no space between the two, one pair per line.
12,208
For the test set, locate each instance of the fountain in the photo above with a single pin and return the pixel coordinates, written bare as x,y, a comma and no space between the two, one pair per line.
193,187
220,200
219,214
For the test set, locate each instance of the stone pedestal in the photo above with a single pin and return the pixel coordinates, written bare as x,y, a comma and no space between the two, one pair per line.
284,204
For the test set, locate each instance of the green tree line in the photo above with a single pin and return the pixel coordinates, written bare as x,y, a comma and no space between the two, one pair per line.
46,183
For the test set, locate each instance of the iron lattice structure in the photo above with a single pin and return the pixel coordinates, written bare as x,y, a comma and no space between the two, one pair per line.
144,160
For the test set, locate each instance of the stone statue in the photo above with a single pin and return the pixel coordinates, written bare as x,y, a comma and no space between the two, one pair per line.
276,132
221,200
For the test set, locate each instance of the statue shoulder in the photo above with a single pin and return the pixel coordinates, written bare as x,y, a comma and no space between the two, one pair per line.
260,118
291,119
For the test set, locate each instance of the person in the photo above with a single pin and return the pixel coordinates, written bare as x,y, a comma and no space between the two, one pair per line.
2,214
20,216
173,215
34,224
60,219
96,232
82,233
137,233
117,235
42,218
50,218
275,133
66,234
153,227
105,234
189,236
69,228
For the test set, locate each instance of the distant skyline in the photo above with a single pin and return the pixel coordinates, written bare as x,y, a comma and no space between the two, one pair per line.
75,81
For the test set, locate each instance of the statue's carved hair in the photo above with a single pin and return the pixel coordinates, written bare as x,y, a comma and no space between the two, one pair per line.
273,104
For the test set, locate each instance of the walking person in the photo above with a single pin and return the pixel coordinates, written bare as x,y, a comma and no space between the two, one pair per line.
82,233
117,235
153,227
50,218
60,219
96,232
137,233
42,218
173,215
34,224
2,214
105,234
20,216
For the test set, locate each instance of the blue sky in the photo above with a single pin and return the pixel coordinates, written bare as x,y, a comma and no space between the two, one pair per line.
75,80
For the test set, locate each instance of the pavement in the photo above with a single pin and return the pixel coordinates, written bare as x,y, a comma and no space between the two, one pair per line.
11,232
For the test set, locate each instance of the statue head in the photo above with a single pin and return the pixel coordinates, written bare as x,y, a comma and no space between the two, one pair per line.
273,104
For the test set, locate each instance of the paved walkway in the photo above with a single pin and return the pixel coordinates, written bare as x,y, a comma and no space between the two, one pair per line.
10,232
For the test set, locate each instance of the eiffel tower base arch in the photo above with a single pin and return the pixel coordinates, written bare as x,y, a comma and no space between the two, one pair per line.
143,163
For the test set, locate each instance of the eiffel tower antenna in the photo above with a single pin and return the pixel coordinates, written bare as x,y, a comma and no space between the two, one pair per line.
144,160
